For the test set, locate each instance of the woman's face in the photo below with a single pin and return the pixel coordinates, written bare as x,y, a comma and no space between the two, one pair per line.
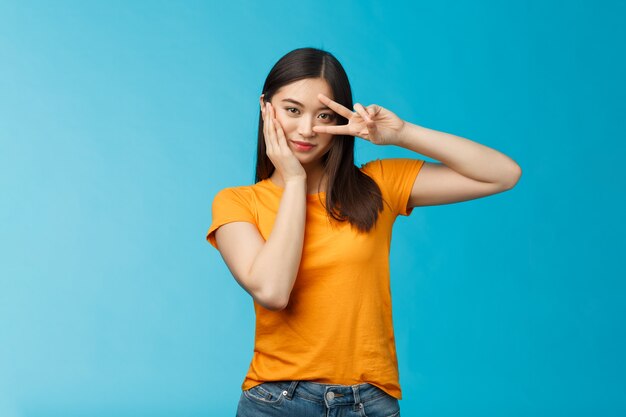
297,110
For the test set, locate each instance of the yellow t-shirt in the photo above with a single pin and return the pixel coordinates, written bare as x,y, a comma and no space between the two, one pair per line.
337,327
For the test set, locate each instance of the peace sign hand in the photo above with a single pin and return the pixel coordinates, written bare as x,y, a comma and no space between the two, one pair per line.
374,123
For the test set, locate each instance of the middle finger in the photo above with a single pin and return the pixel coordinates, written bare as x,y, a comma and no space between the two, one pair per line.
362,112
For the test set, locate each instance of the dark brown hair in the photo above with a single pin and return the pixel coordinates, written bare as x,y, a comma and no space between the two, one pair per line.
351,195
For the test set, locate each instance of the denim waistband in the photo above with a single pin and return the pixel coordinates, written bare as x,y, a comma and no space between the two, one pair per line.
331,394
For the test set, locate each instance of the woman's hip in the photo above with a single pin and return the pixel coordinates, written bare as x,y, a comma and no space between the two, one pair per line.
306,398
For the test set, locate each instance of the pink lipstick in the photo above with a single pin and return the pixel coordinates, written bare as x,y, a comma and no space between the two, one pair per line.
303,146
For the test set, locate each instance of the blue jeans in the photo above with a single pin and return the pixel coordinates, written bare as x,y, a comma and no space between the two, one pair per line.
312,399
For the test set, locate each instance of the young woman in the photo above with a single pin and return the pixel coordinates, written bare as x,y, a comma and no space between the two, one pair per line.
310,240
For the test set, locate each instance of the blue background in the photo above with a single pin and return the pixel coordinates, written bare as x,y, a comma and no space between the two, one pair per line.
119,122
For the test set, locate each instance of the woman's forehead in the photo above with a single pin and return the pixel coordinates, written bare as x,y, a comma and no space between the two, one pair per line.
305,91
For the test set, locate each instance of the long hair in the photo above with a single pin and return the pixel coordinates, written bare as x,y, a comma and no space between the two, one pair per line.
351,195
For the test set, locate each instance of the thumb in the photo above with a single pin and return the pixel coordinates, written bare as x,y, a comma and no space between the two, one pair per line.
372,129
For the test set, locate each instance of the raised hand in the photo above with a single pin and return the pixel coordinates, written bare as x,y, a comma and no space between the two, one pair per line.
373,123
277,148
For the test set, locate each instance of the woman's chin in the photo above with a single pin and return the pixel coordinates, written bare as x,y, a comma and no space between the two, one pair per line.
307,162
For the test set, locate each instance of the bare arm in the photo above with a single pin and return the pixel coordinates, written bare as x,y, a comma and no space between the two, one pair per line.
267,270
468,170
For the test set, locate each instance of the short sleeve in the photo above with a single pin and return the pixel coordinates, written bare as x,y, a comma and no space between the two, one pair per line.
396,176
230,205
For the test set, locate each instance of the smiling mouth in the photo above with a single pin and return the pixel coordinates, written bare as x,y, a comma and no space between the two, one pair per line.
303,146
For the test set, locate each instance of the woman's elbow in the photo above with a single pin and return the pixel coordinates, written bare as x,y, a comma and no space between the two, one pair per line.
272,300
511,179
273,305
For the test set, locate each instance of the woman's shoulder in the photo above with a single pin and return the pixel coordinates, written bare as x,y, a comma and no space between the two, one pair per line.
380,166
237,193
241,193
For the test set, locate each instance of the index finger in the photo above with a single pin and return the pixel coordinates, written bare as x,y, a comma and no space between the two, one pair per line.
338,108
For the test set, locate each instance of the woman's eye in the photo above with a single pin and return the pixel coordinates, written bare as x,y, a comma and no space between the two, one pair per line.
328,117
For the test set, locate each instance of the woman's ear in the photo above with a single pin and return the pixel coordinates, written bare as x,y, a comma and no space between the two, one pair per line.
262,102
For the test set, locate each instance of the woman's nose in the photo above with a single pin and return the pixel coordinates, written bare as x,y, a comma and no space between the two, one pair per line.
305,129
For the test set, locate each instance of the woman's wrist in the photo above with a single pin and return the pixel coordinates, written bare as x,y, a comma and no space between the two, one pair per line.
404,134
300,179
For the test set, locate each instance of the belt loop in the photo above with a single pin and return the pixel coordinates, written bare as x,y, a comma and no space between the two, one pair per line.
291,389
357,397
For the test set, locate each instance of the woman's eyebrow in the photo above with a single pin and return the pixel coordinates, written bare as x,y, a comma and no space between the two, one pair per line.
290,100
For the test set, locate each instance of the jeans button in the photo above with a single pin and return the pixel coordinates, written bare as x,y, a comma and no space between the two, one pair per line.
330,395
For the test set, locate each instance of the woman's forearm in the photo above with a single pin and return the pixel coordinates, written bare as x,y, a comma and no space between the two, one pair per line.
466,157
277,263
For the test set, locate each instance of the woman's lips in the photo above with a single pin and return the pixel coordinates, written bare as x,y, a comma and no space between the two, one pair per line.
303,146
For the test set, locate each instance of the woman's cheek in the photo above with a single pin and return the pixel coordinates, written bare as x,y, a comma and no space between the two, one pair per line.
285,123
281,119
